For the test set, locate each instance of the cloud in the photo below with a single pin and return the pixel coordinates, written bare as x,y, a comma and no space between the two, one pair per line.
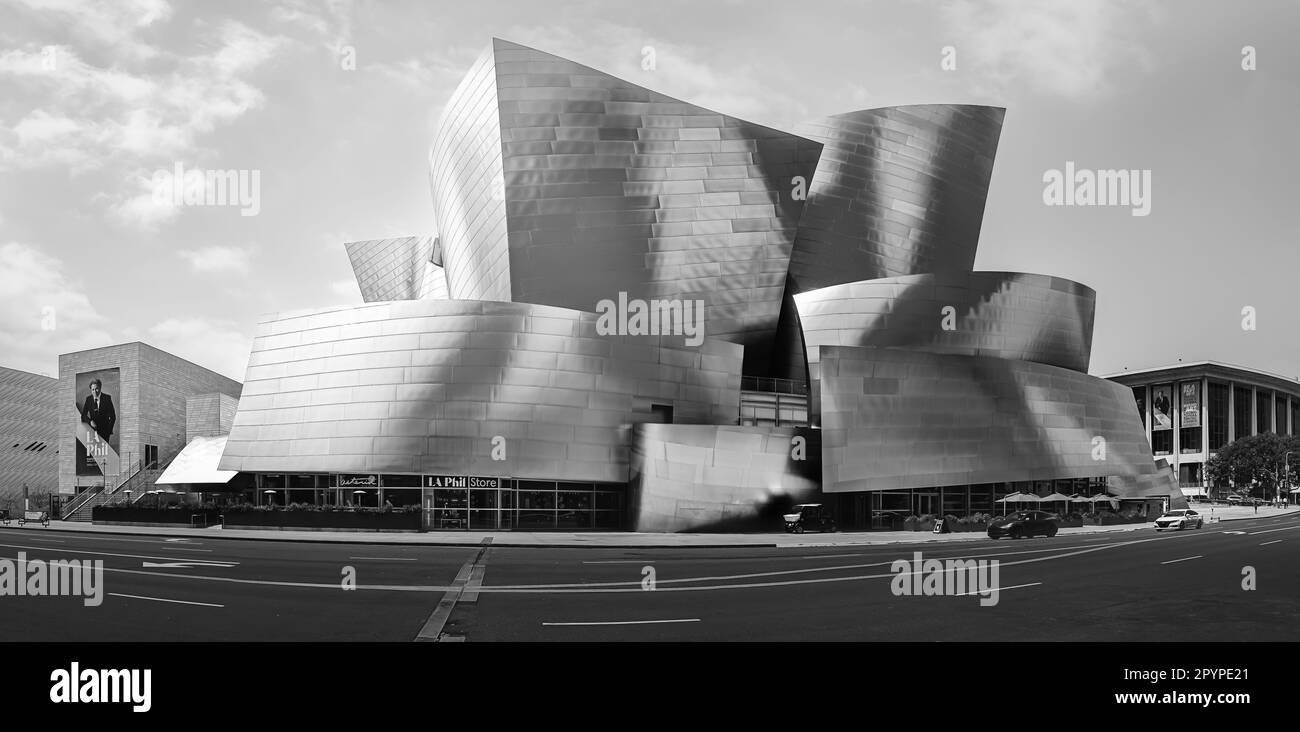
115,24
217,259
1065,49
213,343
131,115
43,311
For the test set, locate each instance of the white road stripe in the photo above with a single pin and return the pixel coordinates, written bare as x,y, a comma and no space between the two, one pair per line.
1269,531
621,561
1275,541
632,622
386,559
1184,559
163,599
102,554
997,589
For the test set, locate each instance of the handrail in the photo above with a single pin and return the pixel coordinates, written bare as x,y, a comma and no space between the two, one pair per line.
81,499
773,384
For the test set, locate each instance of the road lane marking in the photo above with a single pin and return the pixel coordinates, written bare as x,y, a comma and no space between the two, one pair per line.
101,554
385,559
996,589
163,599
1275,541
190,565
620,561
632,622
1184,559
432,630
1269,531
36,538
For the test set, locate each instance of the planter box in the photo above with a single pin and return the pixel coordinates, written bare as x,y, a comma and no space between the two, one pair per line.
365,521
156,516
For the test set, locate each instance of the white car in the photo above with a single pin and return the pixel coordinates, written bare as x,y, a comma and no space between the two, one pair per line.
1182,518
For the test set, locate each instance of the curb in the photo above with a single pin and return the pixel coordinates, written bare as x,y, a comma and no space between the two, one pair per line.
500,542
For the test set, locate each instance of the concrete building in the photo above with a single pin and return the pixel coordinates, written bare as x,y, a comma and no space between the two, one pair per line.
148,391
1188,411
29,436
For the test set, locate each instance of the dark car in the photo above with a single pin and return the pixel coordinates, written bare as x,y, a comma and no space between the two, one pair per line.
809,517
1023,524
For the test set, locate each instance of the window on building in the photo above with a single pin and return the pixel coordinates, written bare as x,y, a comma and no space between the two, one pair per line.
1295,416
1189,440
1140,396
150,456
1280,406
1218,416
663,413
1263,411
1162,442
1241,403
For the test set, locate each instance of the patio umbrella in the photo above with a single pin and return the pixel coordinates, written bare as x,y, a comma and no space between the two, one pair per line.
1114,502
1079,499
1029,498
1009,498
1056,498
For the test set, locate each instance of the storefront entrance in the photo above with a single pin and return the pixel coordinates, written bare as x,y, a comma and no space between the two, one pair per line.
479,509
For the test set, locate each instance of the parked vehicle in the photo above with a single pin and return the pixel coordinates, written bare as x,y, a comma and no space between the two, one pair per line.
809,517
1023,524
1184,518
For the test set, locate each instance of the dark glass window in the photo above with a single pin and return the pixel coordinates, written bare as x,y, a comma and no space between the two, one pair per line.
1241,402
1280,405
663,413
1218,416
1140,396
1264,411
399,481
1189,440
1295,416
1162,442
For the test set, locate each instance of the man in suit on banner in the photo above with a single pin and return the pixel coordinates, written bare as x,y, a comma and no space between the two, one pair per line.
98,411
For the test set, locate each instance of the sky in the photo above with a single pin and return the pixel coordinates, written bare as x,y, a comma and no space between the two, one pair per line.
334,103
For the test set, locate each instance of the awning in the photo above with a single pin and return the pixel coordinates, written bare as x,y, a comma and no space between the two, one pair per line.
197,463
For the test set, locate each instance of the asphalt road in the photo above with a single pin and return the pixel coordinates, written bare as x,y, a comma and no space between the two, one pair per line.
1115,586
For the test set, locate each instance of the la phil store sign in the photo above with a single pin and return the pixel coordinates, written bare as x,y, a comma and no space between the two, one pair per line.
430,481
461,481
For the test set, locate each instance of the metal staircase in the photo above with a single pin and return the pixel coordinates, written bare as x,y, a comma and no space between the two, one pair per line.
131,486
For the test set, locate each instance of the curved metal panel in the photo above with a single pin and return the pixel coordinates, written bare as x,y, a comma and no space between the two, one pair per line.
468,198
610,187
716,478
391,269
898,191
1012,315
893,418
425,385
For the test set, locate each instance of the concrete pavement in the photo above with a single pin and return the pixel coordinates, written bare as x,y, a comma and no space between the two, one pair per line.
613,539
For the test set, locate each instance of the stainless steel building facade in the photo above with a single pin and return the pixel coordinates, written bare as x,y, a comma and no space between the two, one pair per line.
848,347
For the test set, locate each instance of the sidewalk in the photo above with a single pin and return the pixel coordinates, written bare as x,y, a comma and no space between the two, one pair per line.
616,539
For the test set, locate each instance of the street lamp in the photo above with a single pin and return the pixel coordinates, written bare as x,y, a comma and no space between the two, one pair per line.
1286,473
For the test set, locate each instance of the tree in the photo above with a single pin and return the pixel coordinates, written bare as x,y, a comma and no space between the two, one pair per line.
1254,465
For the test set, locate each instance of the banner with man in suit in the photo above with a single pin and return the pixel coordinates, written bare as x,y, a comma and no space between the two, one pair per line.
97,433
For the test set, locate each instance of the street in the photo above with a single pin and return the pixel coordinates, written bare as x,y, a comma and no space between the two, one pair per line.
1116,586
